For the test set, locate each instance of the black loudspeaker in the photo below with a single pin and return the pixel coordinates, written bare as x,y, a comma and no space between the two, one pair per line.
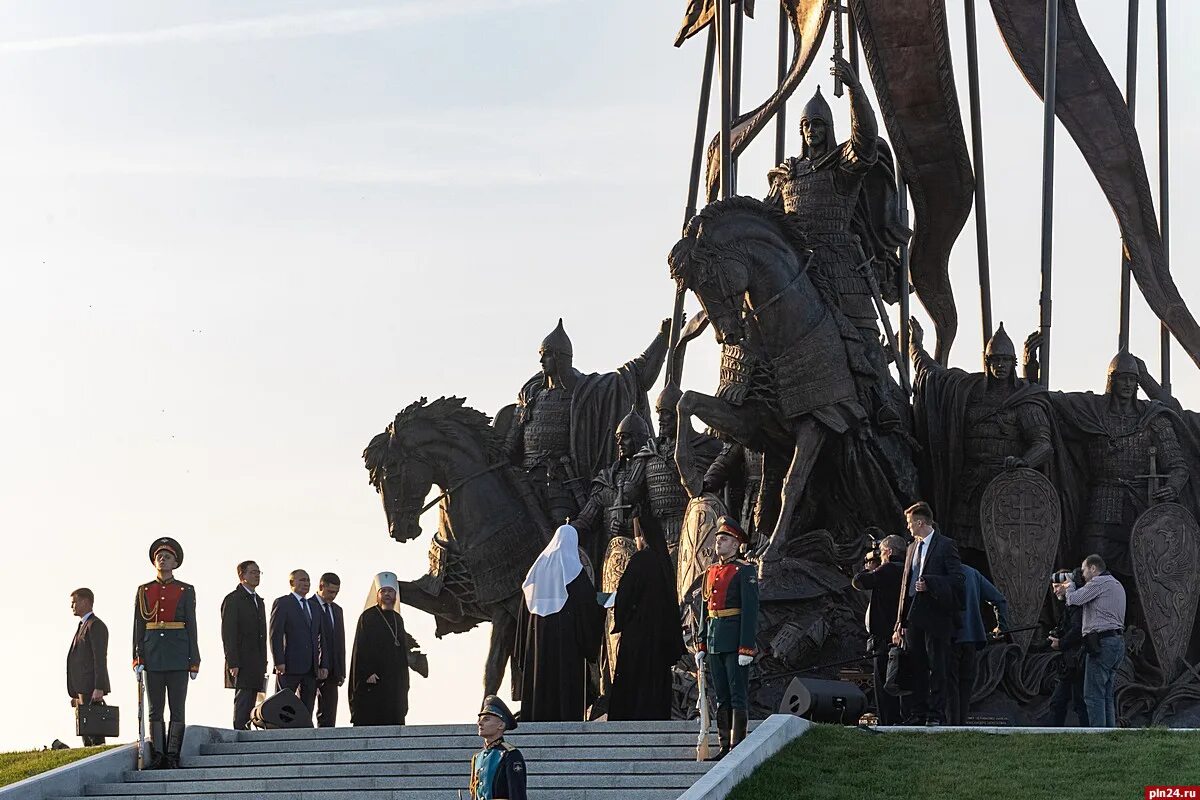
824,701
281,710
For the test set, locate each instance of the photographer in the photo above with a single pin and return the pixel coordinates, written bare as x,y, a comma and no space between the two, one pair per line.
1102,598
881,576
1067,638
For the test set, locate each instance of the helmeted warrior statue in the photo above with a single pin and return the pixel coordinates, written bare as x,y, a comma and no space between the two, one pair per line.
1112,437
561,431
973,427
844,197
617,492
665,495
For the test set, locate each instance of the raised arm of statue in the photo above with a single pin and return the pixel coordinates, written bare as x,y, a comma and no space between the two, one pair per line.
649,364
1029,360
775,180
922,361
1154,389
864,129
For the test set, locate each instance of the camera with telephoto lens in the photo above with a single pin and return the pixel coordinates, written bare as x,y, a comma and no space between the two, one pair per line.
1060,577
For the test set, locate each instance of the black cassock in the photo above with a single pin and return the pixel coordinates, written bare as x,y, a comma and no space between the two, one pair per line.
555,650
646,614
380,648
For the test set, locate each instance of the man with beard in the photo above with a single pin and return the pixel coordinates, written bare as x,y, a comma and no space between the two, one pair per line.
646,615
561,432
558,632
617,491
973,426
380,660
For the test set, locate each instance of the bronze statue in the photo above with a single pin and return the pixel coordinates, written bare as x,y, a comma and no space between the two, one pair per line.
490,526
561,433
617,492
1129,457
973,427
843,197
744,260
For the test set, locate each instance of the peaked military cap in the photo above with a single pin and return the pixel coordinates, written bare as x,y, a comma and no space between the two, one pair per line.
167,543
495,706
728,525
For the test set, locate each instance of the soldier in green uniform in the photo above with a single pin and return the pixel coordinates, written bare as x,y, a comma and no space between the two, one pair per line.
498,770
165,649
727,631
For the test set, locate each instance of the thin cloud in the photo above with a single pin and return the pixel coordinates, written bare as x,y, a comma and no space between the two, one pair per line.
280,26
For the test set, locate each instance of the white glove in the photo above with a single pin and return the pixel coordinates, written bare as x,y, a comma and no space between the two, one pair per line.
193,675
745,661
139,669
699,658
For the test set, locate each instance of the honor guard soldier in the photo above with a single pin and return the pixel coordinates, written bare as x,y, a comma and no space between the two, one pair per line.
727,631
165,649
498,770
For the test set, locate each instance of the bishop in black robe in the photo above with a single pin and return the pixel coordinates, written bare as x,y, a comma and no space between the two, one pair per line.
381,650
646,614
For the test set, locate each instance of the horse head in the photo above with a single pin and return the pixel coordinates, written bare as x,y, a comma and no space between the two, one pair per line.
720,255
427,444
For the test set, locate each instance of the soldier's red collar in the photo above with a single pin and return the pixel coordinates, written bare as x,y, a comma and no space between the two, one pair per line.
161,582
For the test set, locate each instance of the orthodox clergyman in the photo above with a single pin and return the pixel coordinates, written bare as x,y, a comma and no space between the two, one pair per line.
380,660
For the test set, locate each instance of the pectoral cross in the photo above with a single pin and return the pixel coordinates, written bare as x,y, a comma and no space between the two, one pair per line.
1152,478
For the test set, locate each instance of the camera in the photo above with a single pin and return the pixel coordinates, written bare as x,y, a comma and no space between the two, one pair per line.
1060,577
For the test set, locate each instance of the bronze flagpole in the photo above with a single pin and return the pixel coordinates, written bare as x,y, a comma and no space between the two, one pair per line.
735,90
724,45
781,74
1050,78
1131,54
1164,182
981,228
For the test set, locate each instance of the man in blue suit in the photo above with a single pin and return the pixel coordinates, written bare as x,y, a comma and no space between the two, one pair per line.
333,642
300,660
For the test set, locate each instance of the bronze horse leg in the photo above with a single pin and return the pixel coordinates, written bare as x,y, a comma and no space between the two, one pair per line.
739,423
500,650
810,436
442,604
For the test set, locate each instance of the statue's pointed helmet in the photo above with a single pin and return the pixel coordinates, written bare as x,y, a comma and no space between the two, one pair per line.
557,341
1123,363
668,398
634,424
999,345
817,108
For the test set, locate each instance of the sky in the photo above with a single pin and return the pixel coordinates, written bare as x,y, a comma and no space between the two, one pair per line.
238,237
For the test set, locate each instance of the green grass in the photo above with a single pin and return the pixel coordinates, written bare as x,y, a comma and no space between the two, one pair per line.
19,766
835,763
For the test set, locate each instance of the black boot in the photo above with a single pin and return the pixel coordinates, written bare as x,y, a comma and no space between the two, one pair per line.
739,727
156,744
723,732
174,744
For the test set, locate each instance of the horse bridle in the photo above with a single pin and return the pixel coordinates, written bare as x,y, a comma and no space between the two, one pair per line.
402,463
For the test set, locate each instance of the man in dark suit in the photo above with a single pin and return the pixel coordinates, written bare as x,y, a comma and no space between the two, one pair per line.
333,638
300,661
882,580
244,635
931,592
87,660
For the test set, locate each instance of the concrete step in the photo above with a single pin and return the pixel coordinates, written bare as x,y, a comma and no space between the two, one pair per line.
371,784
401,794
425,743
455,767
526,728
582,752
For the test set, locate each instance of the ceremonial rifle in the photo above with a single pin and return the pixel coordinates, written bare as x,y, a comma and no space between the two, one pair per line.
141,687
702,705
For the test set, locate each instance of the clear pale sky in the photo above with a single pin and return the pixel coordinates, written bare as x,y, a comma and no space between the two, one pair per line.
238,237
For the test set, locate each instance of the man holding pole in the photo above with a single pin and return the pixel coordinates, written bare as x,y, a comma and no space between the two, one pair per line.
166,653
727,632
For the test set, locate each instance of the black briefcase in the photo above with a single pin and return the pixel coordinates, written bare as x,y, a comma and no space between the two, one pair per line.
97,720
899,673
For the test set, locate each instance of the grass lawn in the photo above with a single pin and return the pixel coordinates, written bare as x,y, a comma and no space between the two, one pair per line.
835,763
19,766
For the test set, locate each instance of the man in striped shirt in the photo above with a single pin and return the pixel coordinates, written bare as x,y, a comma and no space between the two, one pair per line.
1102,598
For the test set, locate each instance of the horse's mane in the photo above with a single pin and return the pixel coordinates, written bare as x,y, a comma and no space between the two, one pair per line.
687,255
444,414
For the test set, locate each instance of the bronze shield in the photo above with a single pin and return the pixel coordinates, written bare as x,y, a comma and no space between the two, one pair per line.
1165,550
1020,518
696,540
616,558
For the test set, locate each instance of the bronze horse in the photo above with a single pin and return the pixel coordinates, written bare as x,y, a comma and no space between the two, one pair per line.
746,262
489,529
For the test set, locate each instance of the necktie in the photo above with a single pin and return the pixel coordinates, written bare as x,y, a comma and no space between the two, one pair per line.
307,610
918,564
329,613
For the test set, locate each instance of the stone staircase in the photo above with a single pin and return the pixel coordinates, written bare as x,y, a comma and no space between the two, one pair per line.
566,761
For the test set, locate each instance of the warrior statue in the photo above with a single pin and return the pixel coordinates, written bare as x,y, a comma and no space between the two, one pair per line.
665,495
618,491
844,197
1129,456
973,427
561,432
